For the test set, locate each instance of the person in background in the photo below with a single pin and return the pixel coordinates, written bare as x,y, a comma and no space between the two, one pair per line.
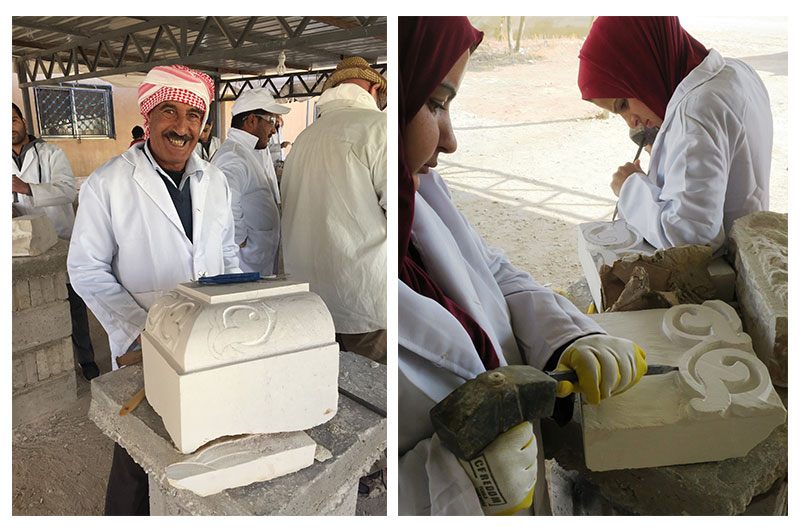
208,144
138,136
245,161
710,161
153,217
334,207
42,182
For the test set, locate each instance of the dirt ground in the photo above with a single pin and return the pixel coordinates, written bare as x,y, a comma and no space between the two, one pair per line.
534,160
61,461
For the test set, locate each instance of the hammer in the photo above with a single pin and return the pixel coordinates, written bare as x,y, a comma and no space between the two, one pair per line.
481,409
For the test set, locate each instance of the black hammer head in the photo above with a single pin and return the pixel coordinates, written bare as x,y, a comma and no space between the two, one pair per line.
481,409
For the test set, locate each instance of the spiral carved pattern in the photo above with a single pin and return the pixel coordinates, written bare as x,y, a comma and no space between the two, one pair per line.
609,241
719,370
168,317
240,328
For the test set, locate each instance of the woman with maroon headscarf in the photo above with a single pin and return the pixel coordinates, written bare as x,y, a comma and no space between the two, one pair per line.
711,157
464,309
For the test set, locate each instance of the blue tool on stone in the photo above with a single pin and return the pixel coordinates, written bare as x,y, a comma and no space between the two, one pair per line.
236,277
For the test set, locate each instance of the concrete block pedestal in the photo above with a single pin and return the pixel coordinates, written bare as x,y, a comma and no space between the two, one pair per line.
43,365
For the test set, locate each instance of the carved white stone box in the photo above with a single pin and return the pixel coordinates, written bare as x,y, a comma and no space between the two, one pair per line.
32,235
718,405
256,357
604,243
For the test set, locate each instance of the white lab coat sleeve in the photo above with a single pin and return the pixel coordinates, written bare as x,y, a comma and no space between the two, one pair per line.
378,169
230,249
432,482
689,208
59,188
542,320
91,252
236,173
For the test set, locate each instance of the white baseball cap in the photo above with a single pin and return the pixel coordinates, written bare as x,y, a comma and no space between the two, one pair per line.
257,99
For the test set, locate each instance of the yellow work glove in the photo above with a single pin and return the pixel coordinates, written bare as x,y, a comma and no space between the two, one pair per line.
504,475
605,365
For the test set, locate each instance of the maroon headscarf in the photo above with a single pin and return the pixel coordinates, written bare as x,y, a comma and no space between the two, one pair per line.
644,58
429,47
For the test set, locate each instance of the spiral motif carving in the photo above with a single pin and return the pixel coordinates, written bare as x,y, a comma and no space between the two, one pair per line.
720,371
241,327
609,241
169,316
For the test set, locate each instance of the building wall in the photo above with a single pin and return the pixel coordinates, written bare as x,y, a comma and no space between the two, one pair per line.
87,154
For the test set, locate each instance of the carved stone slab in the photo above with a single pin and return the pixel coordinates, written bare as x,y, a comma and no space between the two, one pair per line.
719,405
759,244
241,461
32,235
604,243
243,358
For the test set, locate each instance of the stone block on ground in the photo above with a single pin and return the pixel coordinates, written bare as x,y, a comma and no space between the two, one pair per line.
33,401
234,359
32,235
758,244
718,405
603,246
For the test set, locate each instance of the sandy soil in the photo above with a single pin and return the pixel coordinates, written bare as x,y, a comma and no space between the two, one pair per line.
534,160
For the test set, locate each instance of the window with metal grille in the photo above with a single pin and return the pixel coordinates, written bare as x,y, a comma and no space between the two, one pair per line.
75,111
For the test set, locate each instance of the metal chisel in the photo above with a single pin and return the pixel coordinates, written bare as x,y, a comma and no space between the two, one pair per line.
572,377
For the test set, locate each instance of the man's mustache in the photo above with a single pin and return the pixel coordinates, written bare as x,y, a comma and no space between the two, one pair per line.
179,137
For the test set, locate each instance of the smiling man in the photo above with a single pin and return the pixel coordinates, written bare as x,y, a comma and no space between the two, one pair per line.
151,218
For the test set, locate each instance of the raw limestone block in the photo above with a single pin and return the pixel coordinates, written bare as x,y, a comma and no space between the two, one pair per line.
32,235
759,244
604,243
719,405
232,359
233,463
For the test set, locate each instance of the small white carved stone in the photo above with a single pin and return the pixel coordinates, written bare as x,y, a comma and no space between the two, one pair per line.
759,244
238,462
32,235
243,358
719,404
605,242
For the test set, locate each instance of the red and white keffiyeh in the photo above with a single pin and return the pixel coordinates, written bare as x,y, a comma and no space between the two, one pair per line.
175,83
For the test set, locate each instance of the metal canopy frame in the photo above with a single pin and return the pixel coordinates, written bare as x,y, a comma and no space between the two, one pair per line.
50,50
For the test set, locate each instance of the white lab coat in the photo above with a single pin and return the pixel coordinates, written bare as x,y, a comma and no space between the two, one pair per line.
213,145
526,323
334,209
710,162
253,200
47,170
129,245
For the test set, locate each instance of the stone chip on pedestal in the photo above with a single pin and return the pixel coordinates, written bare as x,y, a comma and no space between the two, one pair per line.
223,360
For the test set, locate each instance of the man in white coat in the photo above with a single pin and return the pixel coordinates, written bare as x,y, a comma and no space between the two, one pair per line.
246,162
42,182
334,206
208,144
150,218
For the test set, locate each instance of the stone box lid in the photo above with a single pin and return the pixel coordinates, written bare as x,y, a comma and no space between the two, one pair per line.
234,292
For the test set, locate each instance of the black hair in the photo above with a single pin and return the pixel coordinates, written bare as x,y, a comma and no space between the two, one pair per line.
137,132
14,108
